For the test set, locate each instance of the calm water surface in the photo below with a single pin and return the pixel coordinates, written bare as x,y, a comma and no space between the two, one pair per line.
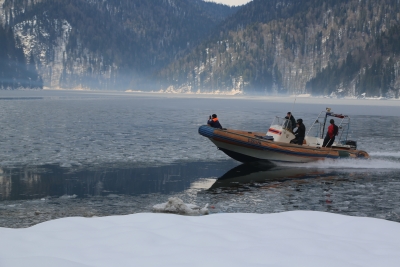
96,154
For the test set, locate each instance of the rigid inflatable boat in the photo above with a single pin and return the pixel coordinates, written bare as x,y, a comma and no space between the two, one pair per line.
275,146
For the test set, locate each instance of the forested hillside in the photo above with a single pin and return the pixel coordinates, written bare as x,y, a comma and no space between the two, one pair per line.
108,44
320,47
373,71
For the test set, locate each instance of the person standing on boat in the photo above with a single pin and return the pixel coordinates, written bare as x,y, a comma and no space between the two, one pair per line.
290,117
333,130
300,133
214,122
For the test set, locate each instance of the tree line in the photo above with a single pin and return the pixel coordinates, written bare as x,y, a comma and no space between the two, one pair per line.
346,47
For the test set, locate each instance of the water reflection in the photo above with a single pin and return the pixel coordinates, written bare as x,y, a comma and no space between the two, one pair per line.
258,174
55,181
265,189
30,195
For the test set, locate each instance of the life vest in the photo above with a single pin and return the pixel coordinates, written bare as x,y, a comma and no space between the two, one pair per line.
214,123
333,130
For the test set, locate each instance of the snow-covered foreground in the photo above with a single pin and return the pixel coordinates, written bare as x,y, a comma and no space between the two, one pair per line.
297,238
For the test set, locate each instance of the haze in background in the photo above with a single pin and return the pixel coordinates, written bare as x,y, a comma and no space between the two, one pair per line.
230,2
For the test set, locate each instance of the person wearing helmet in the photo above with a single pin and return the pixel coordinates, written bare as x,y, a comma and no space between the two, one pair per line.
333,130
300,133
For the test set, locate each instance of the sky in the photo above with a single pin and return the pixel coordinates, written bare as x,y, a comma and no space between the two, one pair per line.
231,2
295,238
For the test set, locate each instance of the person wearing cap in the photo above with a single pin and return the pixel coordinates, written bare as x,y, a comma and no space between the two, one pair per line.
290,117
333,130
214,122
300,133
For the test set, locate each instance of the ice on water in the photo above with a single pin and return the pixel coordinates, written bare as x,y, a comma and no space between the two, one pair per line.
97,131
177,206
100,129
97,128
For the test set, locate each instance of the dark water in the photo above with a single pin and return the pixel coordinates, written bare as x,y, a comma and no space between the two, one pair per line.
52,181
29,195
350,192
97,154
33,195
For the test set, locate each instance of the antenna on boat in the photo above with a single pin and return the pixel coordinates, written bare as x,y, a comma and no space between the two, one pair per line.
294,103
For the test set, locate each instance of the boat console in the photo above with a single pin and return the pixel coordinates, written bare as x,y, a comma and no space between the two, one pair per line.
281,130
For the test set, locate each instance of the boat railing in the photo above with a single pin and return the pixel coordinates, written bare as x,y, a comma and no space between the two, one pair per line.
319,127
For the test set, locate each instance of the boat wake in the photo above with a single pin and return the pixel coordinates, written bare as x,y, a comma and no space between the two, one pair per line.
386,154
340,164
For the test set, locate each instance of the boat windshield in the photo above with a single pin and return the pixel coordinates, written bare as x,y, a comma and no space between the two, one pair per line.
284,123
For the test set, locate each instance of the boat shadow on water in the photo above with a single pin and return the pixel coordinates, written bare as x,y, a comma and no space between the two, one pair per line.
259,175
268,189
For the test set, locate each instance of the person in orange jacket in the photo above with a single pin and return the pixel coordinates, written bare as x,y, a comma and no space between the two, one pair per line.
333,130
214,122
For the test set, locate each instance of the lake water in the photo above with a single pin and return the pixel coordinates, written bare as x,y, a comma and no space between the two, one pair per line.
65,153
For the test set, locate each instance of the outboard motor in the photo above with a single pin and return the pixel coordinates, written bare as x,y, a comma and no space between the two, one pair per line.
351,143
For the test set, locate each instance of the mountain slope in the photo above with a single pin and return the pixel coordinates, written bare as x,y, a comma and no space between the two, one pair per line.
108,44
15,71
322,47
281,46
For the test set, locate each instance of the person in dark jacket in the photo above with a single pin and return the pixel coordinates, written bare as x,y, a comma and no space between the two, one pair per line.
333,130
214,122
300,133
290,117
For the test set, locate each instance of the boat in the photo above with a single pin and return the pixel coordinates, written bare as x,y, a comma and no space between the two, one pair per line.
274,146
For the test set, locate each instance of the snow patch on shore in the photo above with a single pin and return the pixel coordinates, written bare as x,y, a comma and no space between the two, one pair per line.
296,238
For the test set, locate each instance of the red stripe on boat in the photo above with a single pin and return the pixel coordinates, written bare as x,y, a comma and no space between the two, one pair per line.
274,131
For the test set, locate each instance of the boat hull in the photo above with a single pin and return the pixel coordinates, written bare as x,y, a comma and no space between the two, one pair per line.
251,146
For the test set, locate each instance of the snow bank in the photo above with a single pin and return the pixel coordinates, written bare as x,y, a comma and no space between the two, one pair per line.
297,238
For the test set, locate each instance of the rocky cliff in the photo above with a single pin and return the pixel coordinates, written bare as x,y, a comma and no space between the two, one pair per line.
108,44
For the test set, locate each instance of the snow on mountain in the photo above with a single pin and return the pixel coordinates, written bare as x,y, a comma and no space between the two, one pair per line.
47,43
